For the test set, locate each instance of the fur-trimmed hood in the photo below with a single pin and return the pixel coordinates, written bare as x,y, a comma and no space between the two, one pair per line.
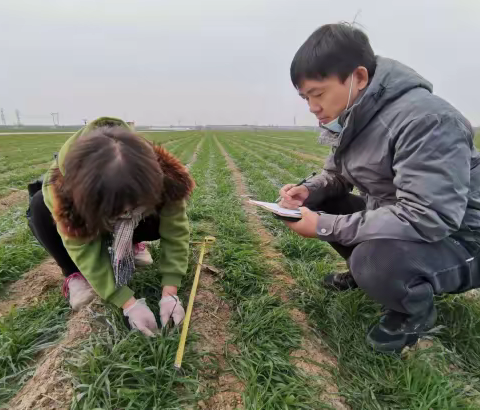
178,185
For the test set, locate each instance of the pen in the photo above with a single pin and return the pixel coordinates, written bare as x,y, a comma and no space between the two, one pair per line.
301,182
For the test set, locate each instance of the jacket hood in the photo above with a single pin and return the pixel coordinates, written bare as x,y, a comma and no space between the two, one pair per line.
178,184
391,80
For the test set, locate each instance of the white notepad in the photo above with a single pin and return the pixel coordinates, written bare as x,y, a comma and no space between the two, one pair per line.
276,209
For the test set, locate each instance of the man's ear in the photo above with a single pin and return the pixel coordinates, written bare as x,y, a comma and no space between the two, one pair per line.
361,75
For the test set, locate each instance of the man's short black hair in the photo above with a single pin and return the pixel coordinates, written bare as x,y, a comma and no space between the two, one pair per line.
332,50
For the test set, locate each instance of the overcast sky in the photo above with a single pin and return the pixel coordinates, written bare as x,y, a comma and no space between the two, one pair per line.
212,61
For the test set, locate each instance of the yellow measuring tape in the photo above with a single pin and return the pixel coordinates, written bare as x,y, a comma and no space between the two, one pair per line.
208,240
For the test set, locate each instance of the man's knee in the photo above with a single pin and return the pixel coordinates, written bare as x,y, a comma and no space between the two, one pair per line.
384,270
377,264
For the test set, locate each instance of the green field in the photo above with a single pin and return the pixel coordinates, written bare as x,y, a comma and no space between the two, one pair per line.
247,329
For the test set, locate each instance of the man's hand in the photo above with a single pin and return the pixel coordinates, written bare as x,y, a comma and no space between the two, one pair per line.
293,196
307,226
141,317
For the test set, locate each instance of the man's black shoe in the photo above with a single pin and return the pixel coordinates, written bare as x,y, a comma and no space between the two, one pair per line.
397,330
339,281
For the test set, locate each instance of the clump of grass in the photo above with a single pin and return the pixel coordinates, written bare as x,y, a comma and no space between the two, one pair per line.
24,333
461,333
11,221
265,337
20,178
19,253
118,369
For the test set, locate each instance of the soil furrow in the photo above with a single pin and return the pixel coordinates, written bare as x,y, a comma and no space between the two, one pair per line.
195,153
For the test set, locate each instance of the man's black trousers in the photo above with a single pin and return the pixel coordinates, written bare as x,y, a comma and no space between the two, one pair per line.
402,275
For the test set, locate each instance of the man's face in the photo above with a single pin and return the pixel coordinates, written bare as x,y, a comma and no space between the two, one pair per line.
327,98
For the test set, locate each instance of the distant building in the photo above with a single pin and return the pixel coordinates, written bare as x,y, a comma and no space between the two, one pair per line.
131,124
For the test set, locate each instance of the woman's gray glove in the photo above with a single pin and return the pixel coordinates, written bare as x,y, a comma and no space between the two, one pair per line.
141,317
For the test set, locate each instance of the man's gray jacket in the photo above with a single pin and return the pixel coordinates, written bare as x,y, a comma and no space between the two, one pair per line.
411,155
